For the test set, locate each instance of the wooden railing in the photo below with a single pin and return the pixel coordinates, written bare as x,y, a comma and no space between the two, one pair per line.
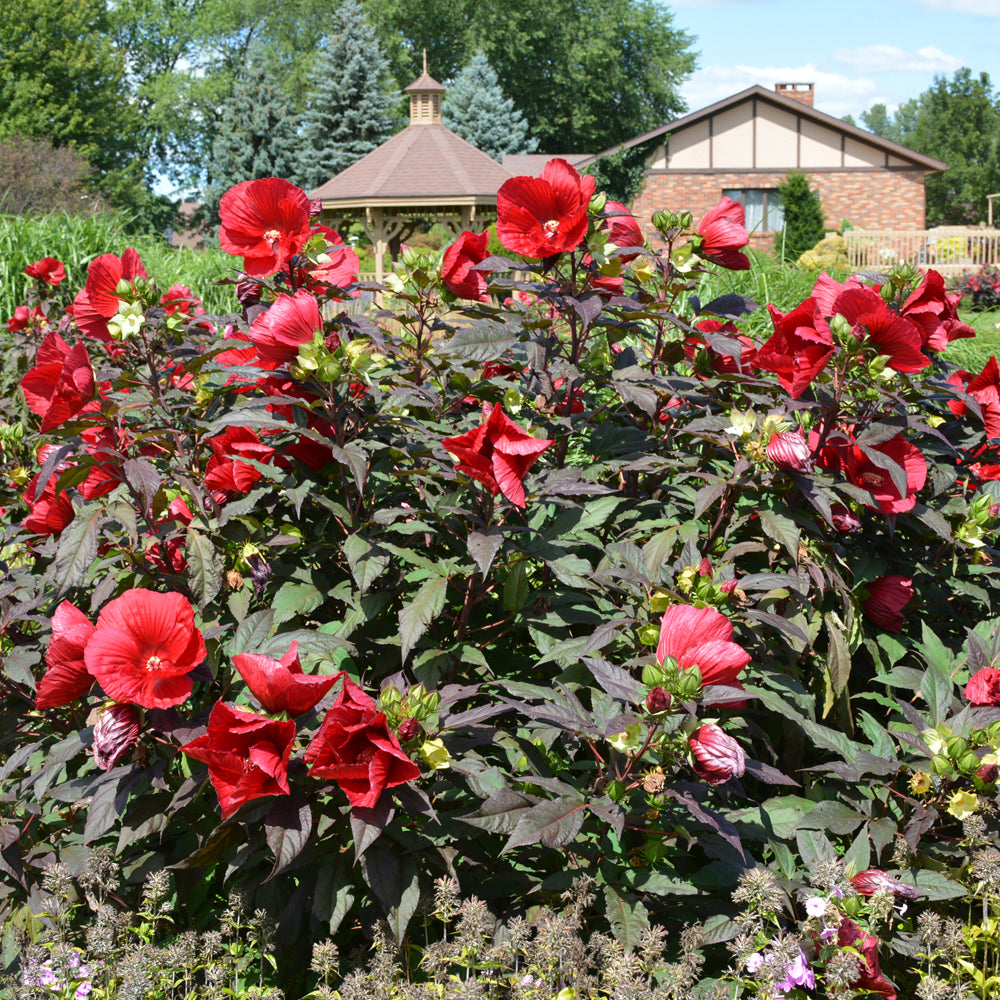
952,250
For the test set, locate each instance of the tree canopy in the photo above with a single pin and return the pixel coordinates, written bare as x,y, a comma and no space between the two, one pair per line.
957,121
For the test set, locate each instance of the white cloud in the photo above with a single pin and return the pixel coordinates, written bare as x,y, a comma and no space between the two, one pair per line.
892,59
835,93
985,8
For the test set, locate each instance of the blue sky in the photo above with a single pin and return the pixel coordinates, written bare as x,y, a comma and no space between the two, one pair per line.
857,53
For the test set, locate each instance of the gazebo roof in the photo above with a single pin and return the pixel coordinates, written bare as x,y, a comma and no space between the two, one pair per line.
425,164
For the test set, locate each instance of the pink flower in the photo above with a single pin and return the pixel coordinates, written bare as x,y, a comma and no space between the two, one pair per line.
497,453
542,216
456,266
702,638
984,687
717,757
116,732
887,596
723,232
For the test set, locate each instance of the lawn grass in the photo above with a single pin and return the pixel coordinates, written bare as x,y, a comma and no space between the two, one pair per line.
76,240
973,353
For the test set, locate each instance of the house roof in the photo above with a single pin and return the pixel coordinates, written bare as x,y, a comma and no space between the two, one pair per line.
788,103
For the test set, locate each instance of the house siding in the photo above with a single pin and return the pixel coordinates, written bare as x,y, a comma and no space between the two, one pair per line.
868,199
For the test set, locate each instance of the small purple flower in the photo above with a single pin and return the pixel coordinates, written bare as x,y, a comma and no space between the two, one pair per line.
797,974
754,961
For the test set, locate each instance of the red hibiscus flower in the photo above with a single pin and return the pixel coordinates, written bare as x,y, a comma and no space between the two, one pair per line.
985,390
291,321
717,757
468,250
542,216
887,596
723,232
145,646
623,229
355,748
180,299
280,685
702,638
862,471
789,450
61,384
265,222
870,977
874,880
19,320
49,512
247,755
798,350
116,732
225,474
336,267
722,364
48,269
935,313
497,453
870,319
984,687
98,301
66,677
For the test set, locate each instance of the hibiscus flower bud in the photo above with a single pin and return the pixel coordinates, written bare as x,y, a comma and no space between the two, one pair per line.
717,757
409,729
248,293
875,880
790,451
116,732
987,773
887,596
845,520
658,700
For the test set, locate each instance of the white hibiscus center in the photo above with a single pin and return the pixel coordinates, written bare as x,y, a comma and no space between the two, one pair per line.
551,228
272,236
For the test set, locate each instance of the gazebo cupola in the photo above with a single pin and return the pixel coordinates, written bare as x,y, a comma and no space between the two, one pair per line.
425,98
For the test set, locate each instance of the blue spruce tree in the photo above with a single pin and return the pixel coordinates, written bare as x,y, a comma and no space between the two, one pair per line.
475,108
353,105
255,136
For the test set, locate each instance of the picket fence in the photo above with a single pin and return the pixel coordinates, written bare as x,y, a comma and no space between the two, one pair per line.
952,250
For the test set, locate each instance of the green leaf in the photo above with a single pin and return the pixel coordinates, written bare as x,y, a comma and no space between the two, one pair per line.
838,657
627,916
295,599
783,530
833,816
251,633
420,612
366,561
393,879
287,826
859,853
77,548
501,812
937,885
814,846
936,687
515,589
481,342
553,823
204,569
483,547
572,571
333,896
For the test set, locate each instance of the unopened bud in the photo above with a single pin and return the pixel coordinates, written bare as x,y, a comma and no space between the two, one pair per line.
664,220
658,700
598,202
987,773
888,293
940,764
685,220
115,733
124,288
409,729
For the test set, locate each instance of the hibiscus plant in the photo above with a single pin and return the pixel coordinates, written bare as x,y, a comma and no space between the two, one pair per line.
511,570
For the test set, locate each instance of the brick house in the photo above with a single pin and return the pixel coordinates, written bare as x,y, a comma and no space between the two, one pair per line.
743,147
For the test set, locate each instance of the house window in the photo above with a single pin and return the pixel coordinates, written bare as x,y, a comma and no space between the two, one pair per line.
764,213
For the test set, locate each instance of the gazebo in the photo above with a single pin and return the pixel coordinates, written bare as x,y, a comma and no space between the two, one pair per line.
422,175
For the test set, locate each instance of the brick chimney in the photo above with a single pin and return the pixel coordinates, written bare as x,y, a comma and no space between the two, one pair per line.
802,92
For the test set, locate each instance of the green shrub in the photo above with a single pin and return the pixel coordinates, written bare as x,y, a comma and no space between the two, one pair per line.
803,214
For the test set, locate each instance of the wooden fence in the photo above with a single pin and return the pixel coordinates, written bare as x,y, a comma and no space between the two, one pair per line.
952,250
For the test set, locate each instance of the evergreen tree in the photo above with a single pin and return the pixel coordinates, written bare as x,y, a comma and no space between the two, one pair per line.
476,109
256,135
352,107
803,210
